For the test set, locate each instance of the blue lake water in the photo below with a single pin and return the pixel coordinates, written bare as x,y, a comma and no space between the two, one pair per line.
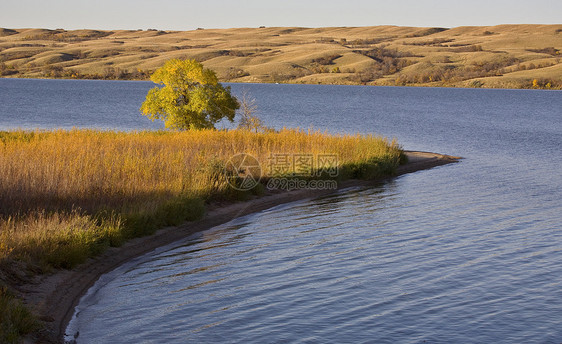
469,252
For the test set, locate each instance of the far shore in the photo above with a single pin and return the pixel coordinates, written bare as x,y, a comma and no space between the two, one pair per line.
54,297
500,56
430,86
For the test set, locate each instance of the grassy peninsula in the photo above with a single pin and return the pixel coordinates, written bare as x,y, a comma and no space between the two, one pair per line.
503,56
66,196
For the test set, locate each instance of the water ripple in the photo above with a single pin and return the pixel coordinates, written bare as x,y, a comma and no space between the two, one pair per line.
465,253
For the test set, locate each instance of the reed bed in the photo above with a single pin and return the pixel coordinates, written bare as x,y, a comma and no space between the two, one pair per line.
65,195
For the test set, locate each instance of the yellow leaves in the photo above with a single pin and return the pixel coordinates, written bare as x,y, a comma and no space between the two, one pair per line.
542,83
535,83
191,97
176,72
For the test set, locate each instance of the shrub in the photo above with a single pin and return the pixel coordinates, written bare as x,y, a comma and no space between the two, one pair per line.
15,320
550,50
326,60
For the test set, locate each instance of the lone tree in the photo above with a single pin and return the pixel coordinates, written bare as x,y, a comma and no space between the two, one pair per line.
192,97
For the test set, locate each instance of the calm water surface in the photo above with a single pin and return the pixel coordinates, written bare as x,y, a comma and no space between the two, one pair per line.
468,253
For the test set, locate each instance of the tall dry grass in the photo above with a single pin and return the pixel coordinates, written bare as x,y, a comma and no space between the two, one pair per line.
65,195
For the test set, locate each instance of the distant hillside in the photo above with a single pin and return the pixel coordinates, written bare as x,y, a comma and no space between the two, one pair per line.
508,56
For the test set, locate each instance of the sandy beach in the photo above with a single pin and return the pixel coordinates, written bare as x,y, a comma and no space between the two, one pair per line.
53,297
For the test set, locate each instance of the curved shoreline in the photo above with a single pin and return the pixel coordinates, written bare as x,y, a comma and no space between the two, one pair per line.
54,297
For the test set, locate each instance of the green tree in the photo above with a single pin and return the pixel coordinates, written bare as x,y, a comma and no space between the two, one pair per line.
191,98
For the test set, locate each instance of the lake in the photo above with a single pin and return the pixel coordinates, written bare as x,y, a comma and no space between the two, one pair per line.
469,252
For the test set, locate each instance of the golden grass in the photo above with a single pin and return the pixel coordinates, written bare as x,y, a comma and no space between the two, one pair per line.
66,195
288,54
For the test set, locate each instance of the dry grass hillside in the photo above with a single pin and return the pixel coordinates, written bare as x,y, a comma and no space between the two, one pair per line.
510,56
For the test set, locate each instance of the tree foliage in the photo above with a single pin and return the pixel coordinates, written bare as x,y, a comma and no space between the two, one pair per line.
191,97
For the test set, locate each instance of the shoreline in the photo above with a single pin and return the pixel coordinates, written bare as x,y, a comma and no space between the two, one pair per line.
311,84
54,297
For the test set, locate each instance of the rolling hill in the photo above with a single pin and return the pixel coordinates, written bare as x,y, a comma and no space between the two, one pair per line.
503,56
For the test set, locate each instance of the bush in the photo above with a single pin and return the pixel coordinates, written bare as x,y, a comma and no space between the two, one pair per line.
550,50
16,321
428,32
326,60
